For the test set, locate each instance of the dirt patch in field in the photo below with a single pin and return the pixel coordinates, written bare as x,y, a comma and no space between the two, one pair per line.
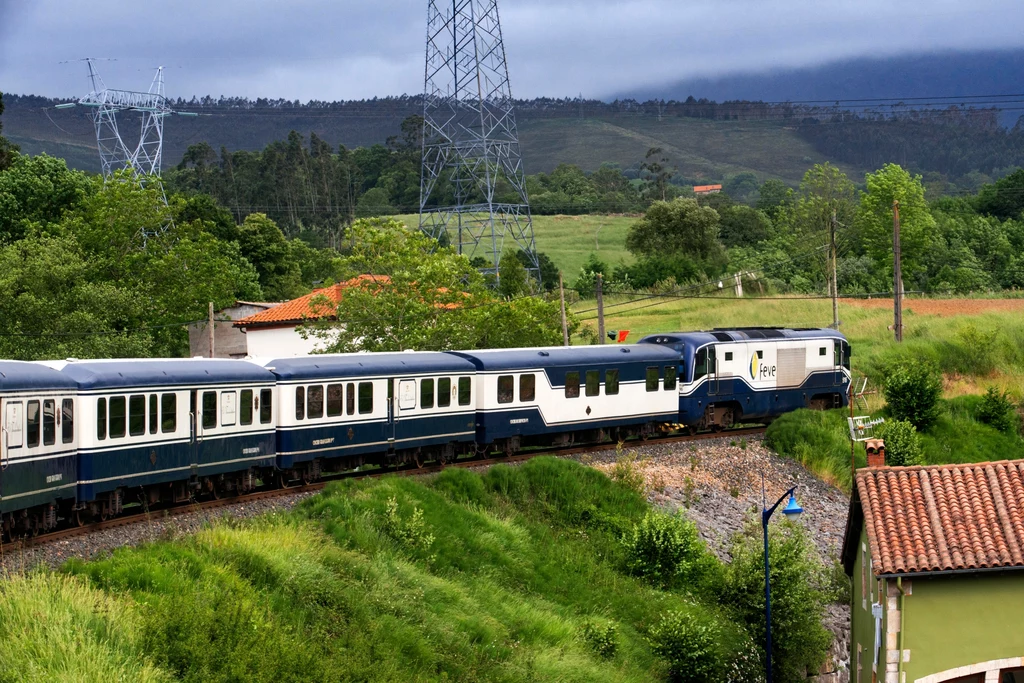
945,308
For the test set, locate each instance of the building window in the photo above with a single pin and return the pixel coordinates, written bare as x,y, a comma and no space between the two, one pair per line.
426,393
465,391
506,389
593,382
335,399
67,417
670,377
572,385
137,415
444,392
611,382
527,388
101,419
266,406
168,412
245,407
209,409
652,378
300,403
117,417
315,401
32,429
365,398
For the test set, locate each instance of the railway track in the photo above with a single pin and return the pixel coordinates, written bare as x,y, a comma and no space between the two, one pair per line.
409,470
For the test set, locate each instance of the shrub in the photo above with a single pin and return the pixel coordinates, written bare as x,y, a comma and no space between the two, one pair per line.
912,390
902,444
628,471
601,637
665,550
411,532
690,644
996,410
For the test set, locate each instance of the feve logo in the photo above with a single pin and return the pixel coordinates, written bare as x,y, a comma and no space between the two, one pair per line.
753,366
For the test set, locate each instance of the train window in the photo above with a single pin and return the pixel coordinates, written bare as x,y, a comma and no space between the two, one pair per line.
465,391
670,377
444,392
846,355
760,355
593,382
406,394
266,406
13,425
728,355
300,403
49,422
228,408
118,413
527,387
137,414
822,351
335,399
506,388
350,399
572,385
101,419
67,420
652,378
209,409
700,367
426,393
154,416
315,401
32,424
365,398
611,382
245,407
168,412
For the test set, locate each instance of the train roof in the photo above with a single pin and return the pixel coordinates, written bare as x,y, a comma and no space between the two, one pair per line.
365,364
146,372
554,356
702,337
16,375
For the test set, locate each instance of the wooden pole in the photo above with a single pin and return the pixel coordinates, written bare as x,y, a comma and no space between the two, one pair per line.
835,275
565,324
600,308
897,296
209,330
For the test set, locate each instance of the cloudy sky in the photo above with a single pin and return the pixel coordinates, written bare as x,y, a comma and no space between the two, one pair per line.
349,49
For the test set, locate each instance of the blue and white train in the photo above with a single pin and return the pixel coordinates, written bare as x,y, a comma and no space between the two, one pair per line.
82,439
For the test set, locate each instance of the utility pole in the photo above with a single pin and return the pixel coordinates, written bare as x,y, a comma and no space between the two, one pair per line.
209,330
835,275
565,325
600,308
897,295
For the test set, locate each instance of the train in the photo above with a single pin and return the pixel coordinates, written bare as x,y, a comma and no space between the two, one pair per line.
83,439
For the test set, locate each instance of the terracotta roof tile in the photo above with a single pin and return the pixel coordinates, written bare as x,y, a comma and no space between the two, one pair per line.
310,306
944,517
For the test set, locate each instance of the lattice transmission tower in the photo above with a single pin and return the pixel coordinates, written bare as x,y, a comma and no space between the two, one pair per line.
472,165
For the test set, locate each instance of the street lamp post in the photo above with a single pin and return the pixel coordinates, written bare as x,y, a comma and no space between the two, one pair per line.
792,511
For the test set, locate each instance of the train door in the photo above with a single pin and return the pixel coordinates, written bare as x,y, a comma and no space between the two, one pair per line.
195,429
392,412
837,369
713,384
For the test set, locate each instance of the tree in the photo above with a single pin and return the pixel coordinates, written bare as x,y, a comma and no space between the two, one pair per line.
912,390
1004,198
774,198
414,295
548,270
659,173
36,191
680,226
7,150
512,276
874,219
743,226
265,247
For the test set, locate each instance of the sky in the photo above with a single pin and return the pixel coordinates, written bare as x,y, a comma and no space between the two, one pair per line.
353,49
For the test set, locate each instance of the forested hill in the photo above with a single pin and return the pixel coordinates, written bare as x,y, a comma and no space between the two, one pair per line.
704,140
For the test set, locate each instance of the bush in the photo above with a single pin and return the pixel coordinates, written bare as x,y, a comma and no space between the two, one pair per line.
690,644
665,550
601,638
997,410
902,444
912,390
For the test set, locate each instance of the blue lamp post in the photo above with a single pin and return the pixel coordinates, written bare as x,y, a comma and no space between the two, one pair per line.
792,511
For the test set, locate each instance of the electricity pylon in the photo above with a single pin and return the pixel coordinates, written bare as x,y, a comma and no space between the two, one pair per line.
470,140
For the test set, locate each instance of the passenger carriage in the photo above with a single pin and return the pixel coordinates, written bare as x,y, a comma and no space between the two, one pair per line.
162,430
37,447
756,374
558,395
343,410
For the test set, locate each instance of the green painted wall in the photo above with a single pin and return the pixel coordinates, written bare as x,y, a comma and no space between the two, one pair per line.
862,624
962,619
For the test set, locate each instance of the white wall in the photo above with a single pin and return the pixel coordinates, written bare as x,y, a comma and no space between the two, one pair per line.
279,342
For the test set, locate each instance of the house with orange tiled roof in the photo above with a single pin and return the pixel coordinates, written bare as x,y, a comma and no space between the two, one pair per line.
274,331
936,555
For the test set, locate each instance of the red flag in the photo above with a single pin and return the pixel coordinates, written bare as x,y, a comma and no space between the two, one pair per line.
622,336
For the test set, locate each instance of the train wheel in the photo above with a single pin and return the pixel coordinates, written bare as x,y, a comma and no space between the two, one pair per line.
80,518
283,481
